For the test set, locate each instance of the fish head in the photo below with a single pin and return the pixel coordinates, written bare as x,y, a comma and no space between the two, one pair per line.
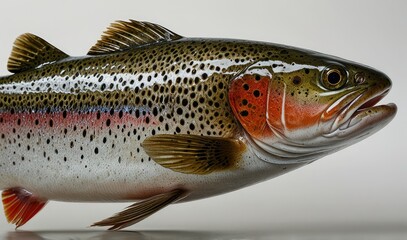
300,110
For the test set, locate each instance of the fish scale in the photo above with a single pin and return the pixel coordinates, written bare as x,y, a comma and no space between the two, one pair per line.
151,116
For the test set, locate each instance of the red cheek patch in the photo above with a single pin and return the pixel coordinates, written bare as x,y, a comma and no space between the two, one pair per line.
248,99
289,111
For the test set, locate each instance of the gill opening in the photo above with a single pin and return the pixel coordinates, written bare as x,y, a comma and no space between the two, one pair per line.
329,119
280,133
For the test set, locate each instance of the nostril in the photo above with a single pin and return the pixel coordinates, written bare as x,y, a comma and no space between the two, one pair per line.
360,78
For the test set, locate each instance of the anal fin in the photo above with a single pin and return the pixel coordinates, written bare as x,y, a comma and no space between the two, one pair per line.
141,210
20,205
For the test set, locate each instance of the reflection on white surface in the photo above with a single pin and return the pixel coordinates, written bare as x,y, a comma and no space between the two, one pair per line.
371,232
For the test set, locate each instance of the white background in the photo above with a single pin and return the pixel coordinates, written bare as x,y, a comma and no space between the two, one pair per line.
363,185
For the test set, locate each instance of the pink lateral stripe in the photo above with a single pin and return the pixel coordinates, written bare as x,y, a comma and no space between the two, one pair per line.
103,120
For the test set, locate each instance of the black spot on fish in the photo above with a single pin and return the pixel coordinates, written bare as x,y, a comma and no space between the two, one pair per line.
179,111
244,113
256,93
296,80
184,102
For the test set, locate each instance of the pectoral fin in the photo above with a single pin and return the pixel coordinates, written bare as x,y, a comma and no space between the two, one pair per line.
194,154
139,211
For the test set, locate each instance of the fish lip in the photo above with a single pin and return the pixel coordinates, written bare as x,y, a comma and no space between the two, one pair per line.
364,112
374,112
366,105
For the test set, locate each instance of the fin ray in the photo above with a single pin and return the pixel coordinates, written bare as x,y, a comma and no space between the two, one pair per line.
193,154
30,51
20,205
141,210
122,35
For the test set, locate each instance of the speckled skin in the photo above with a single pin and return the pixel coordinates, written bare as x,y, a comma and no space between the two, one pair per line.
72,130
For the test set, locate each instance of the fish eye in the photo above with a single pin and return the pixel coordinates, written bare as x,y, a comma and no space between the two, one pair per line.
333,78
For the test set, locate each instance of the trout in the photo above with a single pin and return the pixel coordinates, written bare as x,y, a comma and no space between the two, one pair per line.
151,117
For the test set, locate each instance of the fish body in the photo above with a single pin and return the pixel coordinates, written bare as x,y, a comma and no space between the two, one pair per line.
152,116
91,117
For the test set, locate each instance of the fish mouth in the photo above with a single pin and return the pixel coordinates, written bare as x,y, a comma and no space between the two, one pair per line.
363,116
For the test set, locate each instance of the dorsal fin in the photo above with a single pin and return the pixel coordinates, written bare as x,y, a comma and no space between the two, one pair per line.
30,51
122,35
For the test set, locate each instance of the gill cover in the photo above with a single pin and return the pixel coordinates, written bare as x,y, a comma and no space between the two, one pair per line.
249,100
276,120
248,95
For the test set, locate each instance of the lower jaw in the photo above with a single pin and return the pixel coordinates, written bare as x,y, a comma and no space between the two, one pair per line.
368,120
